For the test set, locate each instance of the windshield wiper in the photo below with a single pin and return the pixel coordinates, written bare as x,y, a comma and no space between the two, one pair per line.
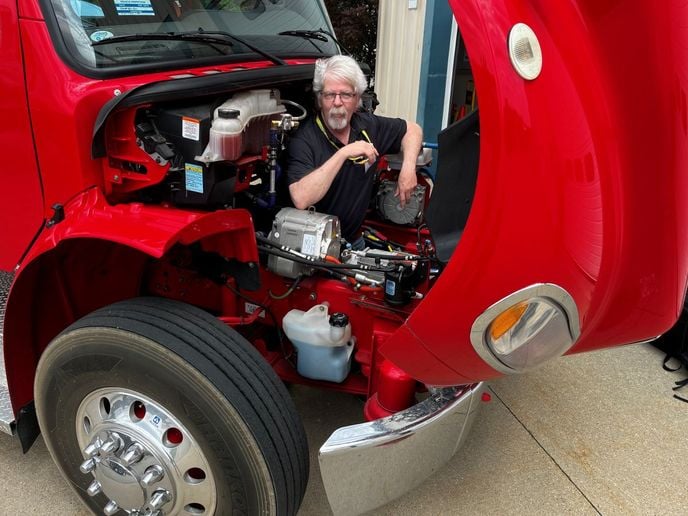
308,34
178,36
206,36
319,34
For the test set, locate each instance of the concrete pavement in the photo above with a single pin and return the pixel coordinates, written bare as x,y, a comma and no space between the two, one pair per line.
598,433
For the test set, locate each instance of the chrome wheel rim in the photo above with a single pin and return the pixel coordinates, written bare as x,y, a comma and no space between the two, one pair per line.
141,457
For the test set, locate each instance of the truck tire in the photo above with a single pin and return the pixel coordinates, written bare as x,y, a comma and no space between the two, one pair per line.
154,405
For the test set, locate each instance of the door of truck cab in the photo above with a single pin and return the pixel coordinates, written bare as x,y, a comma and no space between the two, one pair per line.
21,199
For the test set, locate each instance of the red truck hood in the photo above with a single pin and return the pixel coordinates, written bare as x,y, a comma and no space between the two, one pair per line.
581,183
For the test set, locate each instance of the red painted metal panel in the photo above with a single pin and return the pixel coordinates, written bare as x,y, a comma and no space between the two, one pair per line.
20,190
149,228
64,108
582,179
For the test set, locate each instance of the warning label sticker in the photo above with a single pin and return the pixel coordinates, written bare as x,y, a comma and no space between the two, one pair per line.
194,177
308,244
191,128
250,308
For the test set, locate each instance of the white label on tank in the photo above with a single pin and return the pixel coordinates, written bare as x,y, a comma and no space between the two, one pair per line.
308,245
191,128
194,177
250,308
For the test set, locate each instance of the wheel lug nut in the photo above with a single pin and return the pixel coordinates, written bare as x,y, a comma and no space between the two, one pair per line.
92,449
88,465
159,498
152,475
133,454
112,444
94,488
111,508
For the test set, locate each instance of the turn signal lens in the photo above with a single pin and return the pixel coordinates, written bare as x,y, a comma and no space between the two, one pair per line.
506,320
539,327
526,328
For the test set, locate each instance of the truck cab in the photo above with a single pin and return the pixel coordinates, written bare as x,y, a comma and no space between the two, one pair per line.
159,291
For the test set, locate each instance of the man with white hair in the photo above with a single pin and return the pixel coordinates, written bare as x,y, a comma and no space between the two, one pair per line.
333,156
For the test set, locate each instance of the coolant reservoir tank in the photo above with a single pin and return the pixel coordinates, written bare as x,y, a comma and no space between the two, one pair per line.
226,138
323,342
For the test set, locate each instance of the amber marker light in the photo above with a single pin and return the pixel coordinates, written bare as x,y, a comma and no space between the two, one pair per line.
506,320
526,328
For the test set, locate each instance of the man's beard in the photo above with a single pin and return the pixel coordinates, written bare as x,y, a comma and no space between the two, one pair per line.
337,119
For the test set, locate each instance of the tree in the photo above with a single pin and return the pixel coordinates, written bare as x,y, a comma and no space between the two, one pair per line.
355,25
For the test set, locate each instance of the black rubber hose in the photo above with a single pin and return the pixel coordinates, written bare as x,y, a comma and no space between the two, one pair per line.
273,248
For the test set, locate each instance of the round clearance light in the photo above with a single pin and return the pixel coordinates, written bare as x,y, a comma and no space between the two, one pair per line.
526,328
525,52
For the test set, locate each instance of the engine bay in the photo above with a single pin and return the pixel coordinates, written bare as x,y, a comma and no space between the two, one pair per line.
316,308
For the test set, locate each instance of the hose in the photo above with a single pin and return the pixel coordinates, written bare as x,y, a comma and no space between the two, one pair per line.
287,252
299,106
353,280
289,291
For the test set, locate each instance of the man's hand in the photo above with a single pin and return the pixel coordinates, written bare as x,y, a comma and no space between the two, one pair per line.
410,148
361,149
406,183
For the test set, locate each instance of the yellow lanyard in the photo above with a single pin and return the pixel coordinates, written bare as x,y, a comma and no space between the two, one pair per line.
359,160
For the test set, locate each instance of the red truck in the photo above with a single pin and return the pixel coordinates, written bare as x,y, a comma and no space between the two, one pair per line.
158,291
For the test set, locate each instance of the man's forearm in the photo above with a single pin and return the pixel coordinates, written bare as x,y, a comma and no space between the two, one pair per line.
410,147
312,187
410,144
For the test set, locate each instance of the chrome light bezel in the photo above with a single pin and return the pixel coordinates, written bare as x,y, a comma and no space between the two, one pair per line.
551,294
518,35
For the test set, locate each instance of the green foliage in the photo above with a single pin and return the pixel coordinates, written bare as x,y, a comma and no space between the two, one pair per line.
355,25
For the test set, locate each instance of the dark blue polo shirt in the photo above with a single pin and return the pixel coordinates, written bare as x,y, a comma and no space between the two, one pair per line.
349,195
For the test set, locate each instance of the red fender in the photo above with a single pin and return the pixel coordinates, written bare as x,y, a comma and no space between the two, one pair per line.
42,303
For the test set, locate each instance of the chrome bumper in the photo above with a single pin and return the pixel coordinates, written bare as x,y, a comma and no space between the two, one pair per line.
367,465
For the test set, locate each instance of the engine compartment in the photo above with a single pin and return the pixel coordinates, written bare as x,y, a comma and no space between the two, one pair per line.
314,307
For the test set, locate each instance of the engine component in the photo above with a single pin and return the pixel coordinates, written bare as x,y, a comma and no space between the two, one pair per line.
400,285
371,277
152,142
306,234
225,136
323,343
390,209
242,124
185,127
191,182
424,159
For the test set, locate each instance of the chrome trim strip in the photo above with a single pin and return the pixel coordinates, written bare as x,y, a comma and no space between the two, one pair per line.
367,465
548,291
6,412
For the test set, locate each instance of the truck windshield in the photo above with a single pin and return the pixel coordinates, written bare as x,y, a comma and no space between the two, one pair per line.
117,36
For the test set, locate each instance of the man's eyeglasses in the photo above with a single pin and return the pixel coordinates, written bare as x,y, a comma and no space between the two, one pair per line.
345,96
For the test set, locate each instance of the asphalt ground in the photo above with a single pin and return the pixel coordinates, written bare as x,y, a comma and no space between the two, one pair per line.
598,433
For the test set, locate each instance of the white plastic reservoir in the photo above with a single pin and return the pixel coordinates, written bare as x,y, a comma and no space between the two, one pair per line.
226,138
323,343
242,124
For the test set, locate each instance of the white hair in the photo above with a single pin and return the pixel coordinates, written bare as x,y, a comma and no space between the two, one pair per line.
340,68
